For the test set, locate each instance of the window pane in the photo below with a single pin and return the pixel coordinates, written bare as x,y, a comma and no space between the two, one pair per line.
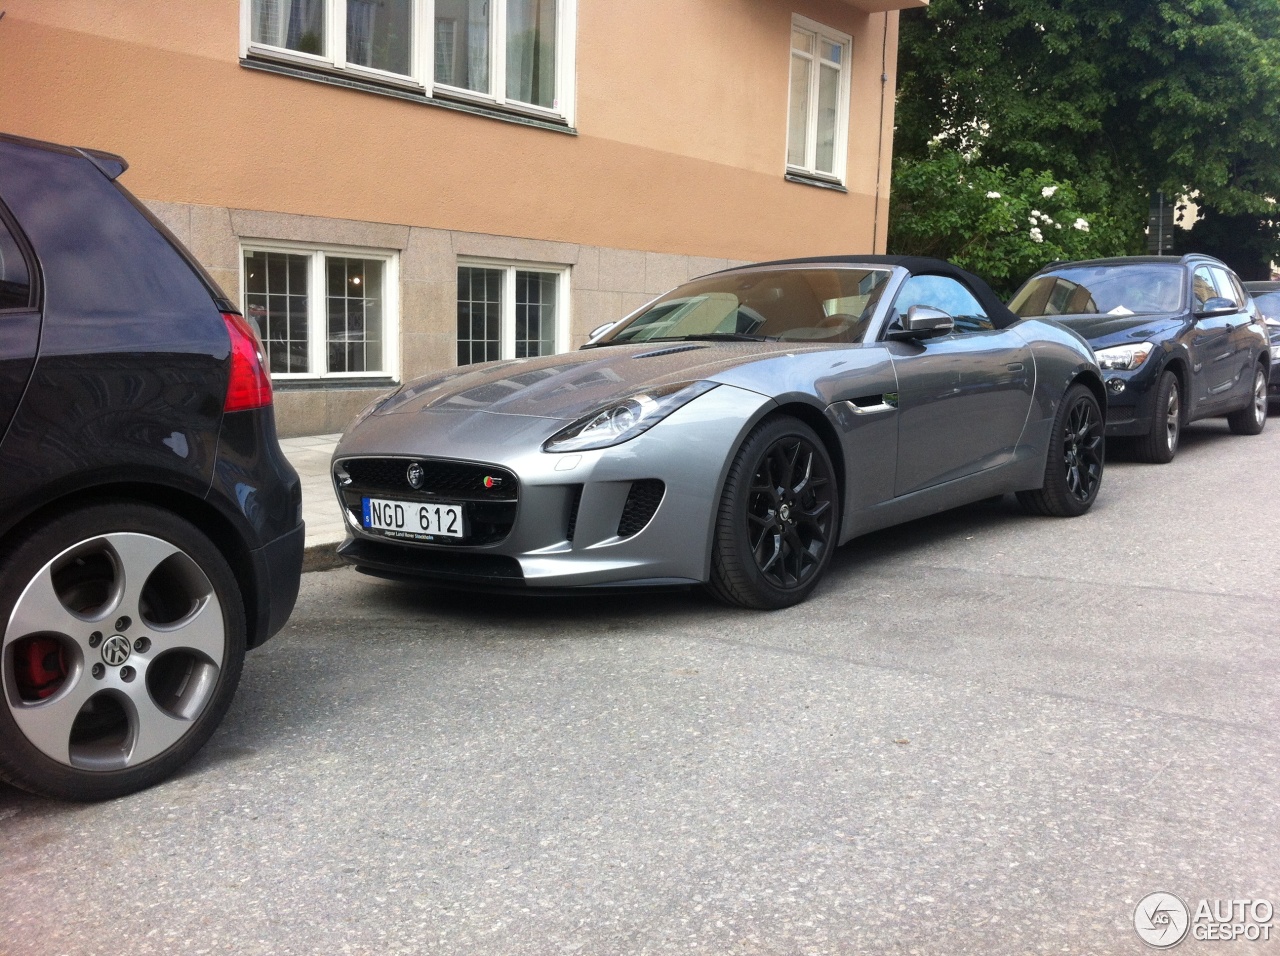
531,51
276,303
379,33
831,51
462,44
799,118
535,314
292,24
828,101
15,283
940,292
479,314
802,41
354,314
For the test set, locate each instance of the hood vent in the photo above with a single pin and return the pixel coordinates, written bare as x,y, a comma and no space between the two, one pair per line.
669,351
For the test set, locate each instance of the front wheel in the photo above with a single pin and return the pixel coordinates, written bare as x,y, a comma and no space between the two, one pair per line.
1251,419
778,520
123,640
1160,444
1077,450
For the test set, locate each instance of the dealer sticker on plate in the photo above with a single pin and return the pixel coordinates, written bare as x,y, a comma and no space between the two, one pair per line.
413,519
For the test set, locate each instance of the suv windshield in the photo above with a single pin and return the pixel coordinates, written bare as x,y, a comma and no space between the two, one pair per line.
1131,289
821,305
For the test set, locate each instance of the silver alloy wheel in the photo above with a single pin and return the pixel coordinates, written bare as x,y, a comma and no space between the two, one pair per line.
1259,397
1173,419
136,634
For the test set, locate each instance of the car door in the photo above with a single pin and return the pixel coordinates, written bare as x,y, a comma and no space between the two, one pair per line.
19,318
1243,332
1215,367
963,398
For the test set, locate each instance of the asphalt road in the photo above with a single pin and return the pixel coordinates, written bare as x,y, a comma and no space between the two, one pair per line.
986,733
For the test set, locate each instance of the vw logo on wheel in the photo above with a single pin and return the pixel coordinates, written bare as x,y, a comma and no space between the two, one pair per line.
115,650
414,476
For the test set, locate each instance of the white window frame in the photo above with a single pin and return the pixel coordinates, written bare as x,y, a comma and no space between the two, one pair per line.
507,322
841,157
317,313
421,76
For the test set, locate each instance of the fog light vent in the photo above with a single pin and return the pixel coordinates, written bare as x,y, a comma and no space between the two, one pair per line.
642,505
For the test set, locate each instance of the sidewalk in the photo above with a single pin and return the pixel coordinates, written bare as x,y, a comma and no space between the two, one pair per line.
325,528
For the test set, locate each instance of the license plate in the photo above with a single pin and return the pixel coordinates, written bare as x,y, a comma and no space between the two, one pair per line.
415,520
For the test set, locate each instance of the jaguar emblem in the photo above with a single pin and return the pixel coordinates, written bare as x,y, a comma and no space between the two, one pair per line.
414,476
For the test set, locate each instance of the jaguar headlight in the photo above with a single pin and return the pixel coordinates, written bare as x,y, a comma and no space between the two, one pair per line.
624,419
1124,357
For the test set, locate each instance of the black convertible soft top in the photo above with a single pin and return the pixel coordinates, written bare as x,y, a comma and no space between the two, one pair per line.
996,310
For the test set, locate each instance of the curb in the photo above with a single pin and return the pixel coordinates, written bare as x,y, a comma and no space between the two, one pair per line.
321,556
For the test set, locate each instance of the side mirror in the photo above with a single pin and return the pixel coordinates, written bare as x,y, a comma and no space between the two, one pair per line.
1217,306
923,322
600,330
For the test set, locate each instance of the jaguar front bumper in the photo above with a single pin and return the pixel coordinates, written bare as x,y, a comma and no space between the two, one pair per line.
638,513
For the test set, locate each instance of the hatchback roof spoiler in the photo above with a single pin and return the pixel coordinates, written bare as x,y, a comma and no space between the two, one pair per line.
110,164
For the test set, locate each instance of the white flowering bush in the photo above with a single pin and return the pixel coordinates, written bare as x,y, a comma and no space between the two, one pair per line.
1001,225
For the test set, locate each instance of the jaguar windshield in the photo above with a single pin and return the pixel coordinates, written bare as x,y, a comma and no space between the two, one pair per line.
815,305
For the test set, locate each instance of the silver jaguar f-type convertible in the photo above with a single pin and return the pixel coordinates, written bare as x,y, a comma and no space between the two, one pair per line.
731,433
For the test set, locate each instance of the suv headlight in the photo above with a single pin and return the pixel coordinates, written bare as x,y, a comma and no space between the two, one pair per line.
1124,357
624,419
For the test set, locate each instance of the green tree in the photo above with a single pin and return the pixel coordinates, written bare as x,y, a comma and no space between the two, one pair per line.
1118,97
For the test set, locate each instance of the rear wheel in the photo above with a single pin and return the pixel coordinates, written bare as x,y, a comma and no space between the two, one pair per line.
1160,444
1077,449
123,640
1251,419
778,521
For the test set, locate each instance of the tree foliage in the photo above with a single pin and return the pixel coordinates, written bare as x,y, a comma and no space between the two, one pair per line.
1119,97
999,224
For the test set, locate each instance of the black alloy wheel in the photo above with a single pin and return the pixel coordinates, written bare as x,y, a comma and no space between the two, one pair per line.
1077,452
778,520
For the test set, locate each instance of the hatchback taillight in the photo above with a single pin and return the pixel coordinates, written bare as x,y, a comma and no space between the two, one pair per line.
250,385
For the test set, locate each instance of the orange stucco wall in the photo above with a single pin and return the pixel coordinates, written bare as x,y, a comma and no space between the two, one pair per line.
681,115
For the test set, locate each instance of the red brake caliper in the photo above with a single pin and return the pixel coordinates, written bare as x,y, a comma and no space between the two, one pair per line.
40,666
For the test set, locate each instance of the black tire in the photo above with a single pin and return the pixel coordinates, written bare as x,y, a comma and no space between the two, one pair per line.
1077,454
1159,445
1251,419
122,644
779,518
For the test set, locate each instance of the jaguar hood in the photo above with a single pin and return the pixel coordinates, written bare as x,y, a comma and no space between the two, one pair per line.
569,386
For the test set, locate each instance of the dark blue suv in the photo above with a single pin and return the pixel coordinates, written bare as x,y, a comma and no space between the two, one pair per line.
150,528
1177,340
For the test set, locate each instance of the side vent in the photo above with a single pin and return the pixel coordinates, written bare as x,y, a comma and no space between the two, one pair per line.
575,500
642,505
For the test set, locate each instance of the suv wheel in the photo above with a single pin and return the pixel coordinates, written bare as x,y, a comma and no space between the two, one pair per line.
123,640
1251,419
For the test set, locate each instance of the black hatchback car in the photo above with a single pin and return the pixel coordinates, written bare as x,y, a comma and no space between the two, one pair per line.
150,528
1177,340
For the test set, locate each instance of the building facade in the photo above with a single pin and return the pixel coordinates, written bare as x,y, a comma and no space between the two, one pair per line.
393,187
